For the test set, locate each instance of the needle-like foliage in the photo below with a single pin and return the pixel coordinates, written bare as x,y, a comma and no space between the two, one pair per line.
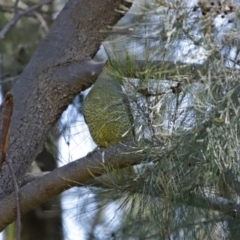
178,64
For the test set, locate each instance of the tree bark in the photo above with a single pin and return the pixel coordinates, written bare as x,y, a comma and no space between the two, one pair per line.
60,68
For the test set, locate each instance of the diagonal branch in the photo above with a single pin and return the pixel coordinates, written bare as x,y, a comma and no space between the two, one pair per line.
73,174
216,203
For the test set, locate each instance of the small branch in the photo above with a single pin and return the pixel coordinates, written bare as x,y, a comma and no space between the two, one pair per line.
17,16
4,8
34,14
231,208
41,20
145,92
16,7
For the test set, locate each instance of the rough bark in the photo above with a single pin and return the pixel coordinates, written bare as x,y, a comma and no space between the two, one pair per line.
60,69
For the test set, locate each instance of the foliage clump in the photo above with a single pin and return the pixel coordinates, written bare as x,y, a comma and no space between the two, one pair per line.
179,66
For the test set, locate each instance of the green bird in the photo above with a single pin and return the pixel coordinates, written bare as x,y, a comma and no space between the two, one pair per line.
107,113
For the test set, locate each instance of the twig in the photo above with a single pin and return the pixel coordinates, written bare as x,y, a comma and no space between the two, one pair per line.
17,16
10,9
34,14
41,20
16,7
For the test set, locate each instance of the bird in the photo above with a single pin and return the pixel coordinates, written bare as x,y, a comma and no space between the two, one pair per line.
107,112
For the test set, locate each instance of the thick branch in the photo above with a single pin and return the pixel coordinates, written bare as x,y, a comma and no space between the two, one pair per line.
57,72
73,174
215,203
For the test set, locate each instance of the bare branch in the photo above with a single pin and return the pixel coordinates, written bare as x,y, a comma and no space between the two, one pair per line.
16,7
41,20
18,15
10,9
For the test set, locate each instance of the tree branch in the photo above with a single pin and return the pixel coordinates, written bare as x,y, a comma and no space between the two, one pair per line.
58,71
216,203
18,15
73,174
